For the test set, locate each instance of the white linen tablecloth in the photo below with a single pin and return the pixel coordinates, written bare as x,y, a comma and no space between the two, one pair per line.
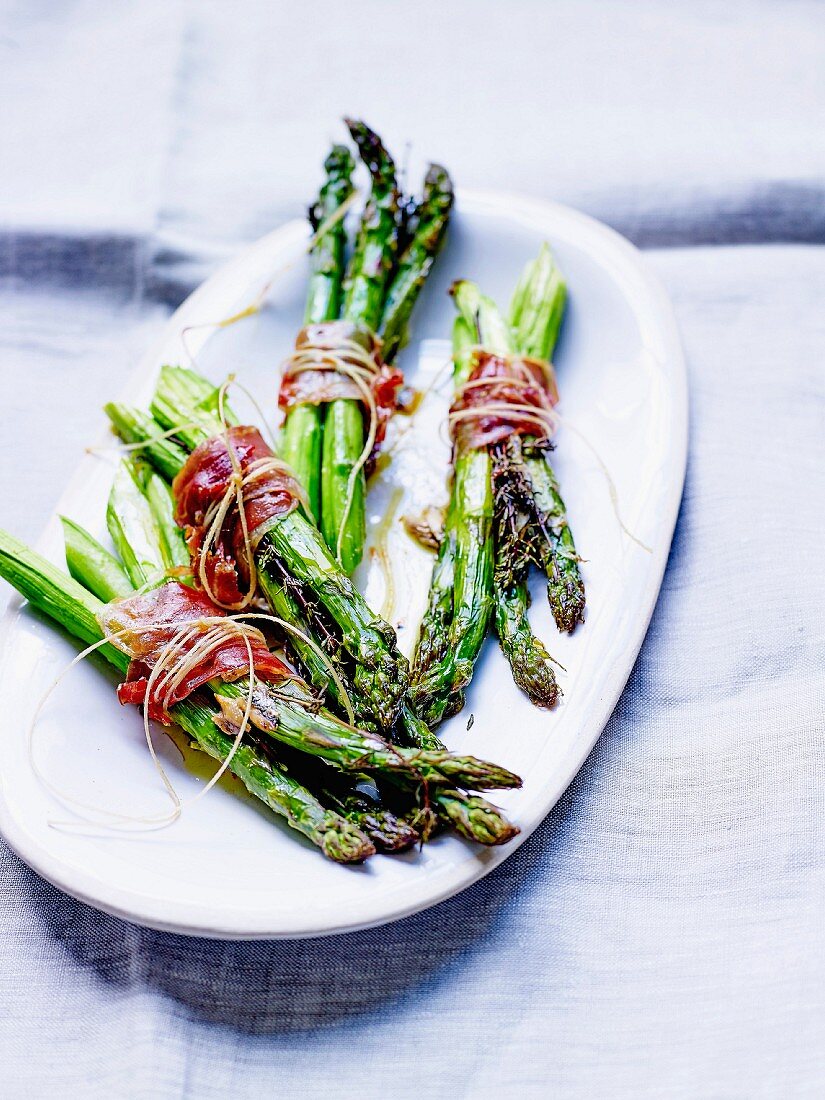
662,933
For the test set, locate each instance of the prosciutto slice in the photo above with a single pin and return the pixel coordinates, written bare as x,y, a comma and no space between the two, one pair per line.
268,492
307,380
504,391
142,625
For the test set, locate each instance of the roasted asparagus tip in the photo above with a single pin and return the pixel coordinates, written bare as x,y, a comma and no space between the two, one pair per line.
566,597
533,674
528,659
388,832
476,819
370,147
339,161
343,842
470,772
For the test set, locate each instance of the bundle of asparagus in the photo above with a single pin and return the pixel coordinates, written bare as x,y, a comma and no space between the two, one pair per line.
505,510
291,552
304,586
356,321
324,776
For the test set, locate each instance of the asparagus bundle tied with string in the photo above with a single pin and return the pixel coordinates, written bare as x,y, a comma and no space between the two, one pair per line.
288,546
505,511
339,386
76,608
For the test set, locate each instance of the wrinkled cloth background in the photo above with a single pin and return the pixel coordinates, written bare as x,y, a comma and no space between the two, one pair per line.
662,933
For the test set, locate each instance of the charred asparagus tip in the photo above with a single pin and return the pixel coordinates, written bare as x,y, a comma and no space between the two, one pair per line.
469,771
477,819
343,842
526,654
388,832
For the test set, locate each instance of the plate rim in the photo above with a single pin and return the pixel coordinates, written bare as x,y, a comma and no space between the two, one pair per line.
139,908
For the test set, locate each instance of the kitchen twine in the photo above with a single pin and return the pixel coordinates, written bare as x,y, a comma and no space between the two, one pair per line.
361,367
547,418
166,676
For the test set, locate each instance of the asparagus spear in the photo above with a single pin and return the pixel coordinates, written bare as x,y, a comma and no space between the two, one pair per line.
75,609
432,215
324,736
376,245
91,565
132,527
325,284
171,545
343,498
530,519
475,818
536,313
528,659
517,544
565,587
537,306
433,639
468,529
472,590
343,509
60,597
140,518
136,426
303,429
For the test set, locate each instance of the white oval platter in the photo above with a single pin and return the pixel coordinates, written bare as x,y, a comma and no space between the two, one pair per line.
229,868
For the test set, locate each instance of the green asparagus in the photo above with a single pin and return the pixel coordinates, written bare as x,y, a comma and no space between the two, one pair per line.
343,490
325,444
536,312
302,435
91,564
321,734
431,217
505,513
